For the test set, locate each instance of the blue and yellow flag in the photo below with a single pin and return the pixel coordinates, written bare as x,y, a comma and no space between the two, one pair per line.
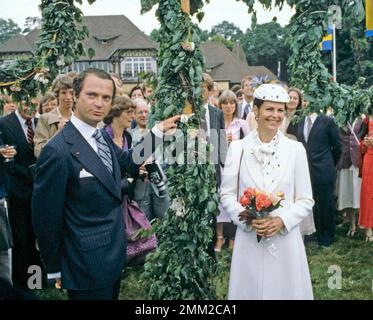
369,18
327,41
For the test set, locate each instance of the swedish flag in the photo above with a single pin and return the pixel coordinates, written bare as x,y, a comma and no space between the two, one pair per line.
369,18
327,41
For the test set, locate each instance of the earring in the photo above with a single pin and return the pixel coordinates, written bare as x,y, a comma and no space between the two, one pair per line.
256,118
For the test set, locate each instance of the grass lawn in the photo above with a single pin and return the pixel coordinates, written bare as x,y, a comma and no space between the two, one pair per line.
353,257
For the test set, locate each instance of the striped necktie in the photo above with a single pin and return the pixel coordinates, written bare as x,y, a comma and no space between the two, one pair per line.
103,150
30,132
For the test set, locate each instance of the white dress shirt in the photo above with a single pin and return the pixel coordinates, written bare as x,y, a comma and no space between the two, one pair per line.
313,117
207,118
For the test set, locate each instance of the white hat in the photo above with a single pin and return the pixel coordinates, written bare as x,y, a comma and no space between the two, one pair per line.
271,92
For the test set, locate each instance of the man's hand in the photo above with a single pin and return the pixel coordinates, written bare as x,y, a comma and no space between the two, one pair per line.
58,284
169,125
8,152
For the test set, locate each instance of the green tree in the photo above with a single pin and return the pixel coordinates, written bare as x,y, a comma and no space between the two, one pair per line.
154,35
265,45
227,30
8,29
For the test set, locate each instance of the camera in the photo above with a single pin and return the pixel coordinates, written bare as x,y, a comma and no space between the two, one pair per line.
157,178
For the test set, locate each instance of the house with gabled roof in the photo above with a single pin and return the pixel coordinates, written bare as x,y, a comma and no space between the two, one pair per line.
122,48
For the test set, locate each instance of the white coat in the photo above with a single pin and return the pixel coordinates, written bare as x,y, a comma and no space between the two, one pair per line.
255,273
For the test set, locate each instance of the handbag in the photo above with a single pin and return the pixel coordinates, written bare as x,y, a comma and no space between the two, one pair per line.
137,246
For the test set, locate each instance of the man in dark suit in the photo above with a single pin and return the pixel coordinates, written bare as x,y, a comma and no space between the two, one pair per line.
246,106
213,124
320,137
77,214
17,130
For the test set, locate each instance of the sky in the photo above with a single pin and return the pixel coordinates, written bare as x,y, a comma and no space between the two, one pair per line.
215,12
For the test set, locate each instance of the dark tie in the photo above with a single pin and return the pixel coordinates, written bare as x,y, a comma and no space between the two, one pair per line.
103,150
30,132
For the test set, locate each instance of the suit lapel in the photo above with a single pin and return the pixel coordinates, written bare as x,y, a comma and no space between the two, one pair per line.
90,160
212,115
17,130
314,128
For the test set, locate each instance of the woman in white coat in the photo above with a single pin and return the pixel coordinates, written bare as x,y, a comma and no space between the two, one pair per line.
268,161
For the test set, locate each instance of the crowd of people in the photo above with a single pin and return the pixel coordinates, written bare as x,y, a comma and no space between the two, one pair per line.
67,164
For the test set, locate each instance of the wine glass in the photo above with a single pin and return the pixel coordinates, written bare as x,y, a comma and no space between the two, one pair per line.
4,148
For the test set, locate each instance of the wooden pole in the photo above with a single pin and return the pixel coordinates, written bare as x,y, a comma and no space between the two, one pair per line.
185,6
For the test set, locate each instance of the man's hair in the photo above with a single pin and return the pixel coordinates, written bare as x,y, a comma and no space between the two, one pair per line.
207,80
79,80
60,83
247,78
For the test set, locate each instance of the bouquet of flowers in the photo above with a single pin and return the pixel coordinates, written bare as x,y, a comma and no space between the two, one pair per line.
259,204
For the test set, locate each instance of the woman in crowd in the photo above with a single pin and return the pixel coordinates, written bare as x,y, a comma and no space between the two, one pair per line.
137,92
52,122
118,121
269,161
295,103
348,182
47,103
235,129
366,199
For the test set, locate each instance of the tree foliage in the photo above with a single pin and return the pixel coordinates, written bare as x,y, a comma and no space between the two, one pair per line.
181,267
264,45
227,30
8,29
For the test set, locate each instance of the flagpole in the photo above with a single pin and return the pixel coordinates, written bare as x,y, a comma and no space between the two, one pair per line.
334,55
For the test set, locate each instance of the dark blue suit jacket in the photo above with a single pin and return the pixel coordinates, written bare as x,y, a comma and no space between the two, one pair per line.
79,221
323,149
18,182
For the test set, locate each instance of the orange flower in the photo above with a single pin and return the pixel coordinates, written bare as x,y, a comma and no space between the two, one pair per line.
249,192
262,201
245,201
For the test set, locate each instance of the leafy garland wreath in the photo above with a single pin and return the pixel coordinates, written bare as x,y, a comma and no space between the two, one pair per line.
181,268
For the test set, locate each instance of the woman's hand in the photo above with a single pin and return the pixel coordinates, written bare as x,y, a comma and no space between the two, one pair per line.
267,227
245,217
368,141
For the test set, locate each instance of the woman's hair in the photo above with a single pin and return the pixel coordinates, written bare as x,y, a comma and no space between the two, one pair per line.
121,103
137,88
300,96
258,102
61,82
46,98
229,96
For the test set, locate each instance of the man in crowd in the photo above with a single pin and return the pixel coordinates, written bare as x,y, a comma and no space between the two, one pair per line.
16,138
320,137
77,212
246,106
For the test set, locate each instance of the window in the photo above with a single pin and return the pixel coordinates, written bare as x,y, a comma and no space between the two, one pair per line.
131,67
81,66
